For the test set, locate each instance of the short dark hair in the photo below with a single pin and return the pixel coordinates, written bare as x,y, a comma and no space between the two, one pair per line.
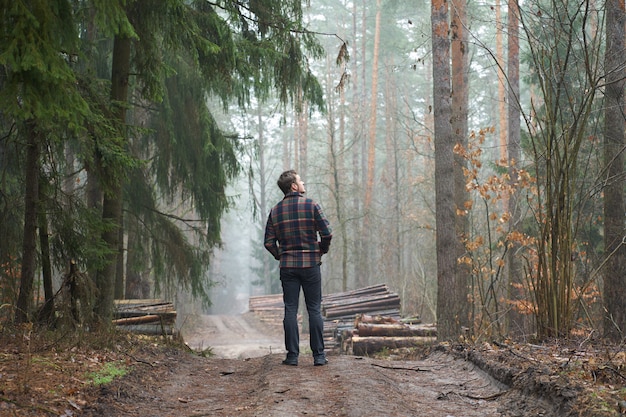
285,180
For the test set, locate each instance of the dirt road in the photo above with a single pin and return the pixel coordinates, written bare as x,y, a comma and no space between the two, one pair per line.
245,378
233,336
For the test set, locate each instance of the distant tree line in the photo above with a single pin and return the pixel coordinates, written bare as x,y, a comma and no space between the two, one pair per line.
470,157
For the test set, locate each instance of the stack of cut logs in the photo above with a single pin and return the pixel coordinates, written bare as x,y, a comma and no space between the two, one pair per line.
148,316
348,304
269,308
374,333
341,309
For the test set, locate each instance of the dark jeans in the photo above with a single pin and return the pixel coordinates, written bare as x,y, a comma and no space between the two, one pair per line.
310,280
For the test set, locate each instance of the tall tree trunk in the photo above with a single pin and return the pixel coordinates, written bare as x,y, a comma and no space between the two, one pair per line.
371,156
335,152
502,290
134,285
614,124
298,135
94,196
113,199
29,243
460,103
359,161
303,126
111,213
295,145
47,311
447,321
516,322
287,144
371,144
390,244
502,113
341,169
267,278
502,134
118,292
447,305
358,87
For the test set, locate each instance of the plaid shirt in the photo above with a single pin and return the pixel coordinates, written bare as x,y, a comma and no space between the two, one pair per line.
292,229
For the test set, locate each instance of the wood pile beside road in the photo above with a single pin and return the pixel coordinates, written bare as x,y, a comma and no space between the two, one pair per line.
372,334
346,305
340,310
145,316
359,322
269,308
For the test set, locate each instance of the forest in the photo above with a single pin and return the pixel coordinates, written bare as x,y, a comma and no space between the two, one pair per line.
468,154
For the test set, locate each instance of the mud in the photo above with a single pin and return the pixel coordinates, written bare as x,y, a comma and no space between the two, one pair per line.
245,378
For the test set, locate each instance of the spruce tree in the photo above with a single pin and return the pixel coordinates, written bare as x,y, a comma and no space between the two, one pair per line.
39,97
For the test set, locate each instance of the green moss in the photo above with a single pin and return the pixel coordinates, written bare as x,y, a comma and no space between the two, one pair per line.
107,373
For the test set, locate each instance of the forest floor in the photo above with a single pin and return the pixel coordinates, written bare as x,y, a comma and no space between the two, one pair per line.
60,375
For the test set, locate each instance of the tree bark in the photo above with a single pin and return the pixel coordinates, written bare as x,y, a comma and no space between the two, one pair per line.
614,128
135,286
112,204
502,113
370,163
447,304
369,345
460,104
29,243
371,143
358,91
47,310
359,158
395,330
118,291
148,318
391,249
262,199
516,322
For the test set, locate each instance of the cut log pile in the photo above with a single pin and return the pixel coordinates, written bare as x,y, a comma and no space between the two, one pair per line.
372,334
358,322
147,316
346,305
340,310
269,308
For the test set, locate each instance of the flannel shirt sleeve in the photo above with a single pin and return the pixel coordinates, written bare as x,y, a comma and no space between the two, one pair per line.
324,229
270,241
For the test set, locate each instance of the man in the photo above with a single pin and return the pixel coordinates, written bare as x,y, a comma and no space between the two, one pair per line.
291,236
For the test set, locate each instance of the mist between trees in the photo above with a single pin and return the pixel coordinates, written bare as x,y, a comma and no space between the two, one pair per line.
468,155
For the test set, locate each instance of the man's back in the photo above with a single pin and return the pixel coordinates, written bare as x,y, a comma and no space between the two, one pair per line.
294,224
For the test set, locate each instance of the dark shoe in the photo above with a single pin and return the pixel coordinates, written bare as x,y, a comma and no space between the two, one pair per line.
291,361
320,361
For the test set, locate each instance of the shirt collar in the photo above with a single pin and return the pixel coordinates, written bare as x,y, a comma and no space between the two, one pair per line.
293,194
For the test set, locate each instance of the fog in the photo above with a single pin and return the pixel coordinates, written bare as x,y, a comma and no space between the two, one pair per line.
232,265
